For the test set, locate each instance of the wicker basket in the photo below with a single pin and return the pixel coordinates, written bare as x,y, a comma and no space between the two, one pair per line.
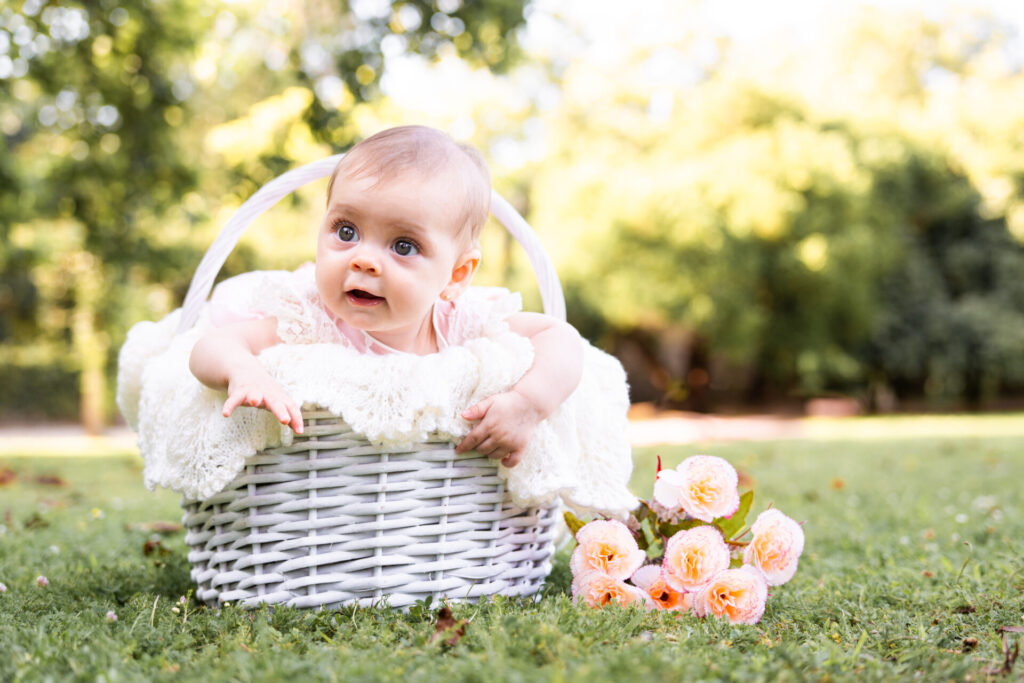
333,520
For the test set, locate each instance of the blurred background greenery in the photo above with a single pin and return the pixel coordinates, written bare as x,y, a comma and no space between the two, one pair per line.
748,203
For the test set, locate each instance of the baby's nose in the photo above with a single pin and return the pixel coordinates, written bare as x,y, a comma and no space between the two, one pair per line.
365,261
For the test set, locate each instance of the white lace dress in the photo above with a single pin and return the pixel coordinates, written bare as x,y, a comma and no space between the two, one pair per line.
580,454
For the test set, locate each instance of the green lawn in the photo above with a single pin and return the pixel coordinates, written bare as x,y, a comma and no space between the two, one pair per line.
914,560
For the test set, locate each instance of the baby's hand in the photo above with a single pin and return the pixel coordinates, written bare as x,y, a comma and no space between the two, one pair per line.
259,390
506,424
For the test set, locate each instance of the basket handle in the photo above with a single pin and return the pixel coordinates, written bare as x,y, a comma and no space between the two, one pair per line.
285,184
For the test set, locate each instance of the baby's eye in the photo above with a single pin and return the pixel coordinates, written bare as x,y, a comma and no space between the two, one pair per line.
405,248
346,233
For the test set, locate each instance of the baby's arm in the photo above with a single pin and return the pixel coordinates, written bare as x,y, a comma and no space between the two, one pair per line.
506,421
226,359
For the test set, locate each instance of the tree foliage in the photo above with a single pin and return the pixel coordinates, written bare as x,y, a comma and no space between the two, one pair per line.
108,184
952,321
757,225
848,235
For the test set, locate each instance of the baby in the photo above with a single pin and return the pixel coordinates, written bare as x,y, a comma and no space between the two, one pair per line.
396,252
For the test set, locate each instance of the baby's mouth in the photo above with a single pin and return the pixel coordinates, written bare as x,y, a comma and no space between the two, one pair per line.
360,297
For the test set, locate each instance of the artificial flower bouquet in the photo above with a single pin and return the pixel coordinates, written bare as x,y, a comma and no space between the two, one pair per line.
692,530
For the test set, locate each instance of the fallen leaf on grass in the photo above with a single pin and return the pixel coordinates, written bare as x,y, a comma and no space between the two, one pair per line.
36,521
7,475
154,546
927,574
154,527
446,625
970,643
1009,657
49,480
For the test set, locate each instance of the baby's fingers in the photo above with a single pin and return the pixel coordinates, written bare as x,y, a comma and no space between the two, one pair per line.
512,459
295,414
280,409
477,410
234,400
481,439
472,441
280,412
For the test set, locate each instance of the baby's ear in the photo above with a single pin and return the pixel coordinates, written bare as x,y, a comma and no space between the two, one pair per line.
462,273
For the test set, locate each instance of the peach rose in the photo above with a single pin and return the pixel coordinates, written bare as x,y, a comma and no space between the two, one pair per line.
606,546
776,546
693,556
650,579
738,595
598,589
702,485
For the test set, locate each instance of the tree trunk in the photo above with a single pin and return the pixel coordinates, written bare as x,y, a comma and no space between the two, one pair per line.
89,344
92,412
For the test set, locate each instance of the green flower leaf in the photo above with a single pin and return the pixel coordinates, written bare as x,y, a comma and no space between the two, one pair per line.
669,530
730,526
573,522
643,511
651,542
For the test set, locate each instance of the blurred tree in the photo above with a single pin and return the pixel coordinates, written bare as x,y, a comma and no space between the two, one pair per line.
90,103
764,243
105,108
759,238
951,322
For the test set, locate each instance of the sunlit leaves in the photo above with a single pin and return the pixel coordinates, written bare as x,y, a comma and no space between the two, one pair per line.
114,112
760,215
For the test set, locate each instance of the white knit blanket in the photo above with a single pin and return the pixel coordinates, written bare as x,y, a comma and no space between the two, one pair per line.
580,454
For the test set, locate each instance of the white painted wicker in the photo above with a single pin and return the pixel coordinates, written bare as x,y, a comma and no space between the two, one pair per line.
333,520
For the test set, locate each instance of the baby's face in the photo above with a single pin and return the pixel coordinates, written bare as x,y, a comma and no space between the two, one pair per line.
386,251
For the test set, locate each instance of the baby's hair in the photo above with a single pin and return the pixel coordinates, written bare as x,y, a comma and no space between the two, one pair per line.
425,150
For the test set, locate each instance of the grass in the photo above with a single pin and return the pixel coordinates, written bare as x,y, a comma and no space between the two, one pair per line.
914,560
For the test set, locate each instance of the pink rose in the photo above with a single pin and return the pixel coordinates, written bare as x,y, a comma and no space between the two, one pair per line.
598,589
702,485
738,595
776,546
650,579
693,556
606,546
